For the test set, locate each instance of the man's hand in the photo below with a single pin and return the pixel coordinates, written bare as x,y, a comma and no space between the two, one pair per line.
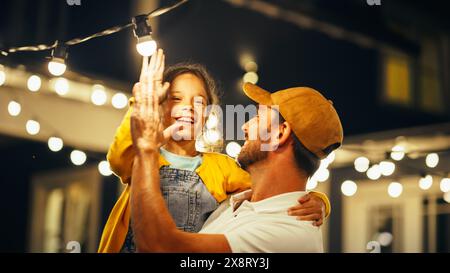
154,75
311,208
146,127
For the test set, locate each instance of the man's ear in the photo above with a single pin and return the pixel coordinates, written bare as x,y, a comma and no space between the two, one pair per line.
284,133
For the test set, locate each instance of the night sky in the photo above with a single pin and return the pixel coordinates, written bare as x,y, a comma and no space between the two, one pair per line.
215,33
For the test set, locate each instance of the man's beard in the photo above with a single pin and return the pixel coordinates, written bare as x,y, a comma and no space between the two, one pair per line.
250,154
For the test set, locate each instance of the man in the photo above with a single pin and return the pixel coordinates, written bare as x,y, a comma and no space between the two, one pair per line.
256,220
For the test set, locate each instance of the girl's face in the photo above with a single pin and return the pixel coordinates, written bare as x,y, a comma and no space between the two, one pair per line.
186,103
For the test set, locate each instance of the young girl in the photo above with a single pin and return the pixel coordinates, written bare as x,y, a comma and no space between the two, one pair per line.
193,183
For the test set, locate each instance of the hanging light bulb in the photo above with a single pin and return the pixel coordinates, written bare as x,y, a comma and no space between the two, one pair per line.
395,189
362,164
331,157
212,136
212,121
33,127
387,168
14,108
374,172
250,77
398,152
426,182
247,62
322,174
349,188
2,75
385,238
119,101
445,185
447,197
98,95
61,86
311,184
55,144
104,168
146,46
200,145
432,160
233,149
251,66
34,83
57,65
78,157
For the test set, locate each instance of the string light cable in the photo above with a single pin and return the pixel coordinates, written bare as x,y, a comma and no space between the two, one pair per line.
137,23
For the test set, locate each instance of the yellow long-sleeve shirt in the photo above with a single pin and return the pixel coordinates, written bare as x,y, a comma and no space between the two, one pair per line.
220,174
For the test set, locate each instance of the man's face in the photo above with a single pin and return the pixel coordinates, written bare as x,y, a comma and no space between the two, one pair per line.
261,135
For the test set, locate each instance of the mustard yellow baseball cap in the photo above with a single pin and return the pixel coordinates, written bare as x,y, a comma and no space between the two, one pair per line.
311,116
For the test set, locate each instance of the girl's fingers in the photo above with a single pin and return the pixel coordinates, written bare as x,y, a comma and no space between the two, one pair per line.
296,207
166,87
171,130
318,223
163,92
302,212
312,217
304,198
303,206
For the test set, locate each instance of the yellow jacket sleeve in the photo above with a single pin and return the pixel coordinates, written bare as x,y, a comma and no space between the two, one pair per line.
325,200
238,179
121,153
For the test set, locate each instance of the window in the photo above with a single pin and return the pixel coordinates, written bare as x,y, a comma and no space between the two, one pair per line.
430,99
385,228
65,211
416,82
436,223
397,79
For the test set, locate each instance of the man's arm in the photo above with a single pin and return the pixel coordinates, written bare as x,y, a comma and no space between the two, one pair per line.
153,226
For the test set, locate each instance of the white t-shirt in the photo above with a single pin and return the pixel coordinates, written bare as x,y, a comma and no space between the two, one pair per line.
263,226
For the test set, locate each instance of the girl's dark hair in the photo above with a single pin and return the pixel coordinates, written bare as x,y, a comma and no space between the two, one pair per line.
199,71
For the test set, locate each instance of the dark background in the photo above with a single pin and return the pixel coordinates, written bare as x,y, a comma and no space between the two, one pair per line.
215,33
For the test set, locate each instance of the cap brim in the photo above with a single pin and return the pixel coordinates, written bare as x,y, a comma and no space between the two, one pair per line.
257,94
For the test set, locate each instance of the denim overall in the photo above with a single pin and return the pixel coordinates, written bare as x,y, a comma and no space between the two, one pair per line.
187,198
